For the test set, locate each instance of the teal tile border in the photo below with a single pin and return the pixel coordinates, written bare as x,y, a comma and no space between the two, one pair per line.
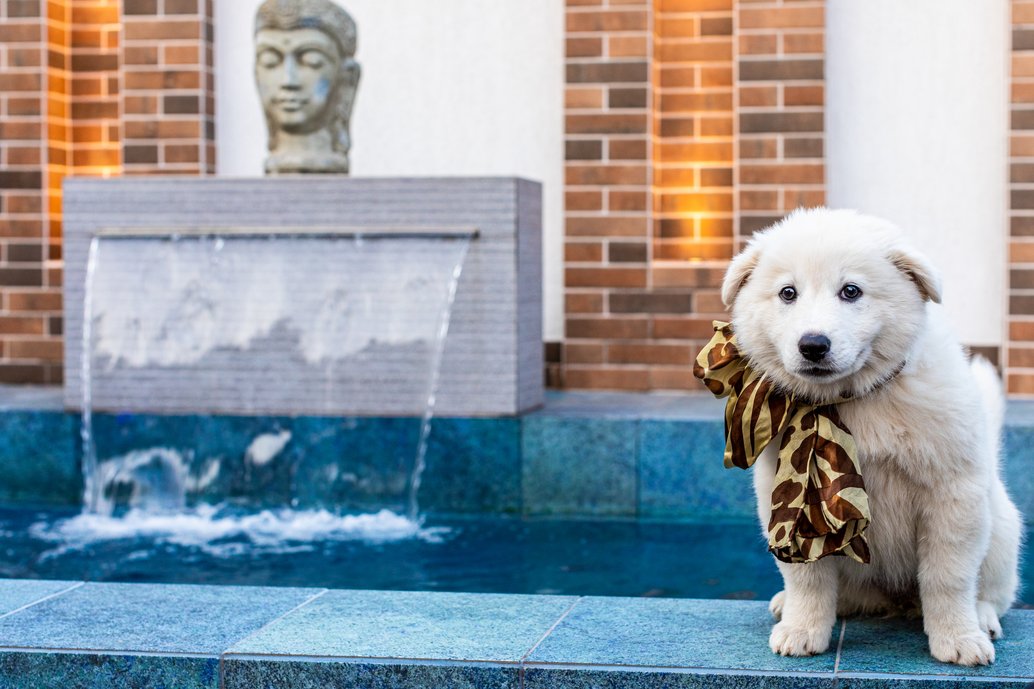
672,633
899,646
36,670
243,637
19,593
148,618
459,627
667,678
576,465
244,673
638,455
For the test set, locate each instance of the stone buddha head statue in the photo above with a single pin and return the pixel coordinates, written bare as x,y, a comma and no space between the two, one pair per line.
307,79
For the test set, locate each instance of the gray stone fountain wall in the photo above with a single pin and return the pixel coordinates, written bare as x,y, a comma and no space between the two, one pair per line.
492,361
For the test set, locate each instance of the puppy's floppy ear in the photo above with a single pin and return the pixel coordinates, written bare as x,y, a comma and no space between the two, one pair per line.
739,272
920,271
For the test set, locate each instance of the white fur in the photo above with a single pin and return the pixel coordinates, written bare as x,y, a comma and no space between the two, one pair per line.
944,535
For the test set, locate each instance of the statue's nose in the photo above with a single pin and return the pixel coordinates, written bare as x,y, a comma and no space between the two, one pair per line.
290,72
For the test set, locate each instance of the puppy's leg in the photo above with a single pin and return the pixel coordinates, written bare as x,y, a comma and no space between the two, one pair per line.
998,572
809,609
775,606
953,533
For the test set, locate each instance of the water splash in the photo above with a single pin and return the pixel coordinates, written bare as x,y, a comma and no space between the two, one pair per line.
413,504
91,488
219,531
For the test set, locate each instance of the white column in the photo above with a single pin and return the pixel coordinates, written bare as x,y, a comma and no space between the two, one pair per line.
917,132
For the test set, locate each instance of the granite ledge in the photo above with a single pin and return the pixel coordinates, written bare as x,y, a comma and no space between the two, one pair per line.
306,638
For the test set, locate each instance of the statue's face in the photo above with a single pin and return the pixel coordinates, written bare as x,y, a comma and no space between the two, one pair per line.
297,72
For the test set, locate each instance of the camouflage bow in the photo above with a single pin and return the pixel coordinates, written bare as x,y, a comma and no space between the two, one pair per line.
819,504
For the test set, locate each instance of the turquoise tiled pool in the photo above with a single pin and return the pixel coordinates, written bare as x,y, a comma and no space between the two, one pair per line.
591,500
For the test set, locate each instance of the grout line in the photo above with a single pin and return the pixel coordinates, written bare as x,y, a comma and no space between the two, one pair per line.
675,670
370,660
934,678
840,646
549,631
135,653
45,598
273,621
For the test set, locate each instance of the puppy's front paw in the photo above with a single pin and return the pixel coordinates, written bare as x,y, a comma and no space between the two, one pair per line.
987,618
775,606
967,649
787,640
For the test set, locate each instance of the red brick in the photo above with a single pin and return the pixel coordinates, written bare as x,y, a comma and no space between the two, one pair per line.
607,124
759,44
608,328
634,20
627,46
649,354
36,350
627,149
628,201
588,97
681,378
583,252
21,325
600,378
583,200
782,18
605,276
33,301
696,51
582,353
146,30
813,43
583,302
606,226
782,174
585,47
605,174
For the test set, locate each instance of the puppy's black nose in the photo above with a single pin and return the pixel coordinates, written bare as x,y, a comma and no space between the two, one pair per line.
814,347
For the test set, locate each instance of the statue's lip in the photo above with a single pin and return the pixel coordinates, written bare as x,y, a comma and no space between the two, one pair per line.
292,102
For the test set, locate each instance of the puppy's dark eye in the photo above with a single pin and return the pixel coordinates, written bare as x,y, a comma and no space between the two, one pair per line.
788,294
850,292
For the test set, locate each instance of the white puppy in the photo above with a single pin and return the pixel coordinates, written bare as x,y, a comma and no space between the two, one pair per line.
830,302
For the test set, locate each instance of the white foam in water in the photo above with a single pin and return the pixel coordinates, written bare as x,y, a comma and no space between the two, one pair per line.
209,529
151,485
266,446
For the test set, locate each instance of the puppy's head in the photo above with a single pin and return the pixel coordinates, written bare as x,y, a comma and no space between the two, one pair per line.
828,302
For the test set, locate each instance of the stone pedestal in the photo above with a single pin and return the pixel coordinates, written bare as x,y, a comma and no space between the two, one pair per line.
492,361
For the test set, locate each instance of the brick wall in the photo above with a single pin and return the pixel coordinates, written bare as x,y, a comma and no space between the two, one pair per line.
28,294
168,102
642,286
608,194
694,156
1019,353
780,103
87,87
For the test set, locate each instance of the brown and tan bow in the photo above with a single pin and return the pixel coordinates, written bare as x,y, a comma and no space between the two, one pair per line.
819,504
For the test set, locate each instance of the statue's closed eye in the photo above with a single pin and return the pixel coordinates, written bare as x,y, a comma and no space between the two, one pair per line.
269,58
314,59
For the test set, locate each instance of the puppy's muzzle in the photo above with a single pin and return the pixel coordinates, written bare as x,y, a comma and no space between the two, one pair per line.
814,348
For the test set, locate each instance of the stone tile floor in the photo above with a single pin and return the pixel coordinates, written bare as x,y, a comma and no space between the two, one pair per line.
68,634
